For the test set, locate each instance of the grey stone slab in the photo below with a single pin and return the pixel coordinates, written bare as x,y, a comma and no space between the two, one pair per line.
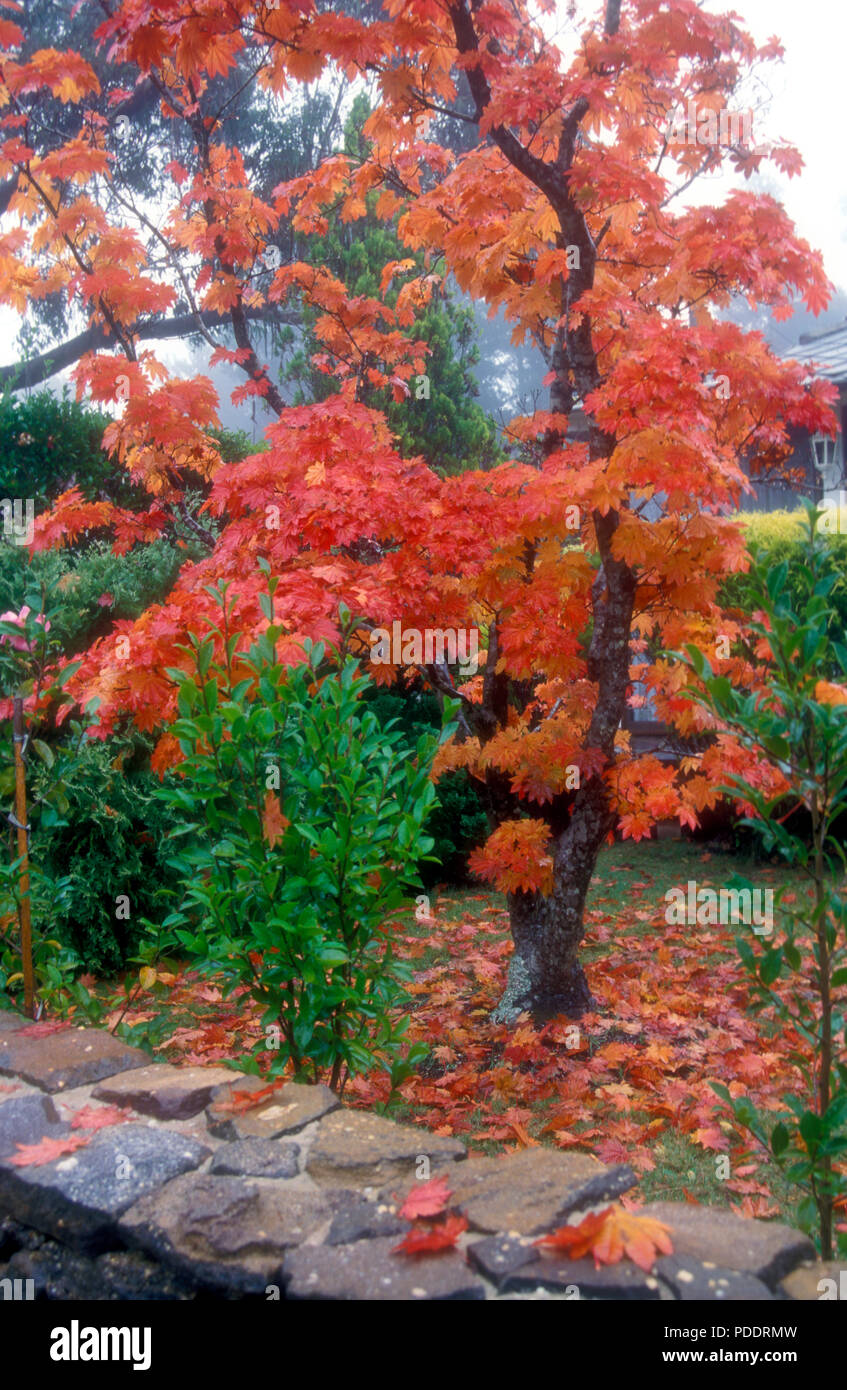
371,1271
499,1256
766,1249
257,1158
27,1119
355,1148
532,1191
78,1198
692,1281
578,1279
286,1111
225,1233
163,1091
58,1060
359,1219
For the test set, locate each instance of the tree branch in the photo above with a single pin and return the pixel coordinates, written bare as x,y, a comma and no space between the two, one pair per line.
19,375
613,16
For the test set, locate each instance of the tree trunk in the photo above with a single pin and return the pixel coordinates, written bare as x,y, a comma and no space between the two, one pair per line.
545,976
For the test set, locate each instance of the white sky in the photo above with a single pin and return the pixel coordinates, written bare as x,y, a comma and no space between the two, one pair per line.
808,109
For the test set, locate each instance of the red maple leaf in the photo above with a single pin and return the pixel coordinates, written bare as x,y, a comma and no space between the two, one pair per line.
46,1150
427,1199
42,1030
91,1117
427,1240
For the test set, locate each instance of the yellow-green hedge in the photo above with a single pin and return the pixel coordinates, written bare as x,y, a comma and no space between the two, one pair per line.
778,537
767,529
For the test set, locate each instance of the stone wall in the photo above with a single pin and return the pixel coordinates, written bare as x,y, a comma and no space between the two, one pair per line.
201,1183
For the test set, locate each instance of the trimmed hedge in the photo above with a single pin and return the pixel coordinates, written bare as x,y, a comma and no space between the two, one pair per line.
779,536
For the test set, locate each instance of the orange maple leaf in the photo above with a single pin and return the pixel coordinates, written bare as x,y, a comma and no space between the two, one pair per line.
515,856
611,1234
247,1100
274,823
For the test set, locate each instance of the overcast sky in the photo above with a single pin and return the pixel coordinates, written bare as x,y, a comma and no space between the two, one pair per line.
809,109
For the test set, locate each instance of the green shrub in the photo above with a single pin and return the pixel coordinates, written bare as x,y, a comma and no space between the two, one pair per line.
303,823
50,443
54,965
458,823
797,725
102,844
781,539
89,587
235,445
775,538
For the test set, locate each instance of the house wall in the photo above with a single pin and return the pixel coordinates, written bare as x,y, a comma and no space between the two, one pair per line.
774,496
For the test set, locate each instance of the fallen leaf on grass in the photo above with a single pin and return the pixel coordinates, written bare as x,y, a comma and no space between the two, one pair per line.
46,1150
426,1240
757,1207
711,1137
609,1235
427,1199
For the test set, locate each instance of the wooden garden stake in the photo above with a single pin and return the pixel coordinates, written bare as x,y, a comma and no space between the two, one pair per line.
21,826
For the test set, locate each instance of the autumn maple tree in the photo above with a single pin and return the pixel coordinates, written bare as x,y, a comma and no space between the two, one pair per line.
564,209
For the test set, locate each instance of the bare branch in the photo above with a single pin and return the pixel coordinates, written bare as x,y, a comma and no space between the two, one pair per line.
20,375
